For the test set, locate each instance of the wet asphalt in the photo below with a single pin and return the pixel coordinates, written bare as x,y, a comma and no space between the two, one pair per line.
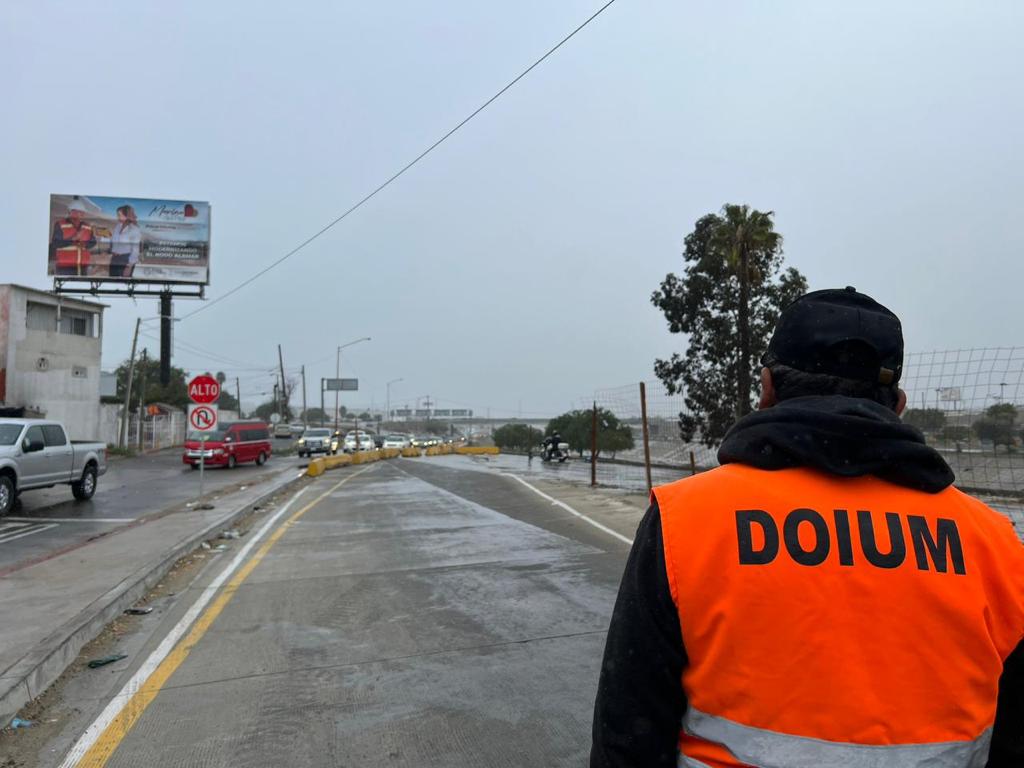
50,521
421,615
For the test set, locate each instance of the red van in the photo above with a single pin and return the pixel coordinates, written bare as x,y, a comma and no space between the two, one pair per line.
231,443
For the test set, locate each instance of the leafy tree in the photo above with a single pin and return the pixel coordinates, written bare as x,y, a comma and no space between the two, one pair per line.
955,433
146,383
925,419
364,416
727,302
576,427
998,425
517,437
265,409
315,416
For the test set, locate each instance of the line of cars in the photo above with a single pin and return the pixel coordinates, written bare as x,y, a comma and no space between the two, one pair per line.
238,442
325,440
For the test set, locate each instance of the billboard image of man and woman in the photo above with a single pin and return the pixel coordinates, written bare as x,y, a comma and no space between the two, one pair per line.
129,238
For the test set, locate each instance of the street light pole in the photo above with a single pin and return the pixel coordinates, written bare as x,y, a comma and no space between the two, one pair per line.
337,375
387,399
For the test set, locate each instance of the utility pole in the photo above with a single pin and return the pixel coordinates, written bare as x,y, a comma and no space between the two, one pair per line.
142,399
303,393
323,414
122,440
277,404
284,390
238,396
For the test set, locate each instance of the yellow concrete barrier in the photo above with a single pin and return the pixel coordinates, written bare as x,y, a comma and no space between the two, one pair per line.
365,457
333,462
318,466
411,452
477,450
390,453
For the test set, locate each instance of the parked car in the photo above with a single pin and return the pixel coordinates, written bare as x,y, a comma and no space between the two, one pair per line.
38,454
232,443
396,441
282,430
298,429
358,441
315,440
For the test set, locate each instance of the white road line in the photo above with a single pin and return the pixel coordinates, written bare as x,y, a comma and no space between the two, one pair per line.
27,531
572,511
71,519
113,709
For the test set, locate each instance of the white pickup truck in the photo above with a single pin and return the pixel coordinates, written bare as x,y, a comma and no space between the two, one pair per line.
35,453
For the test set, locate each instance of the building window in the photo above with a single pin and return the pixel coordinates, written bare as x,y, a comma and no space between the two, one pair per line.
40,317
75,323
43,317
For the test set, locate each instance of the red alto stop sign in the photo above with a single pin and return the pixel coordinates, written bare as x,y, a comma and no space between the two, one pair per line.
203,389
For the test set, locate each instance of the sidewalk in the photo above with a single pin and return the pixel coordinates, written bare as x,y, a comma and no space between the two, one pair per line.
52,608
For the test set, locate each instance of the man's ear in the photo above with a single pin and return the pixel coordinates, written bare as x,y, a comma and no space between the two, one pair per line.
901,402
768,391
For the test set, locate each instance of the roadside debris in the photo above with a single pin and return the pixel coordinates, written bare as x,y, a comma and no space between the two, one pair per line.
139,611
221,548
19,723
232,534
206,545
103,661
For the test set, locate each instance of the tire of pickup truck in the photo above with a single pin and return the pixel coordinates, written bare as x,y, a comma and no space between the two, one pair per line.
261,459
84,489
232,461
7,495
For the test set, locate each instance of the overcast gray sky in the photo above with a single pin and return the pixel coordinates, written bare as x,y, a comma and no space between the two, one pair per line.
885,136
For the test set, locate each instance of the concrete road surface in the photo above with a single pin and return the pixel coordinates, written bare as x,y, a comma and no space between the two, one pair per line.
420,614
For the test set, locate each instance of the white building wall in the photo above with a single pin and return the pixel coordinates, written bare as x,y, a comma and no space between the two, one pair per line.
40,366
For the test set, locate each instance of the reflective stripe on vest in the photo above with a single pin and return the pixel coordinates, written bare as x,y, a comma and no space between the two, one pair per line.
760,748
842,621
691,762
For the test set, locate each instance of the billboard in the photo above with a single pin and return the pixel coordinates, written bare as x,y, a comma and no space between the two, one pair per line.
129,239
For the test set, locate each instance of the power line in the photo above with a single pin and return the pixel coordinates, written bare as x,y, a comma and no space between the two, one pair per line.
402,171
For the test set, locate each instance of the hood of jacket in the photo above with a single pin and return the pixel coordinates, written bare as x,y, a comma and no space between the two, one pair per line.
844,436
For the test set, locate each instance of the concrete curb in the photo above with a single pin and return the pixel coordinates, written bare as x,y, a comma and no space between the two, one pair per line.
39,669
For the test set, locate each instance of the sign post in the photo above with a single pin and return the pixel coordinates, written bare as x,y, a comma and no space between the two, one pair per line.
202,418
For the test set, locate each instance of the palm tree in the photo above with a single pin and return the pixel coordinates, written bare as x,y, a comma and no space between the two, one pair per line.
740,235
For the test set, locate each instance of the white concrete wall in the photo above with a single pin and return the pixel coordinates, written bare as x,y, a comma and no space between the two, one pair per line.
110,422
39,366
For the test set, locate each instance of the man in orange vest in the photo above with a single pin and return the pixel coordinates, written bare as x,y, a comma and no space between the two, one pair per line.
826,598
71,241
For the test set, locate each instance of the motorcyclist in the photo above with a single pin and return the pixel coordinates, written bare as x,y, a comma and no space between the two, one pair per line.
551,443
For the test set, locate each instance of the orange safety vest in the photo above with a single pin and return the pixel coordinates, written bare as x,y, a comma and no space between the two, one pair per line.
76,255
838,622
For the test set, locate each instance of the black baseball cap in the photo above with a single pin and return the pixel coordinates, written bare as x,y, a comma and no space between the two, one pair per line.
839,332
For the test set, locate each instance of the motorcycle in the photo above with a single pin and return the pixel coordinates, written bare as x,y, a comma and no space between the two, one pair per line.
552,452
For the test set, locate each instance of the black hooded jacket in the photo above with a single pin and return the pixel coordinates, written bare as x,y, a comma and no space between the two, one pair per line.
640,701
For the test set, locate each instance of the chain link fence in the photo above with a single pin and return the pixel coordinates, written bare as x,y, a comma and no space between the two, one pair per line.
966,402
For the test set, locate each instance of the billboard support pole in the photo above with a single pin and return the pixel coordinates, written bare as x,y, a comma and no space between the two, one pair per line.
165,337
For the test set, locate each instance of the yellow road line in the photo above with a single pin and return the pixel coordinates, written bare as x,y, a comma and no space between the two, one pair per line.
108,742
